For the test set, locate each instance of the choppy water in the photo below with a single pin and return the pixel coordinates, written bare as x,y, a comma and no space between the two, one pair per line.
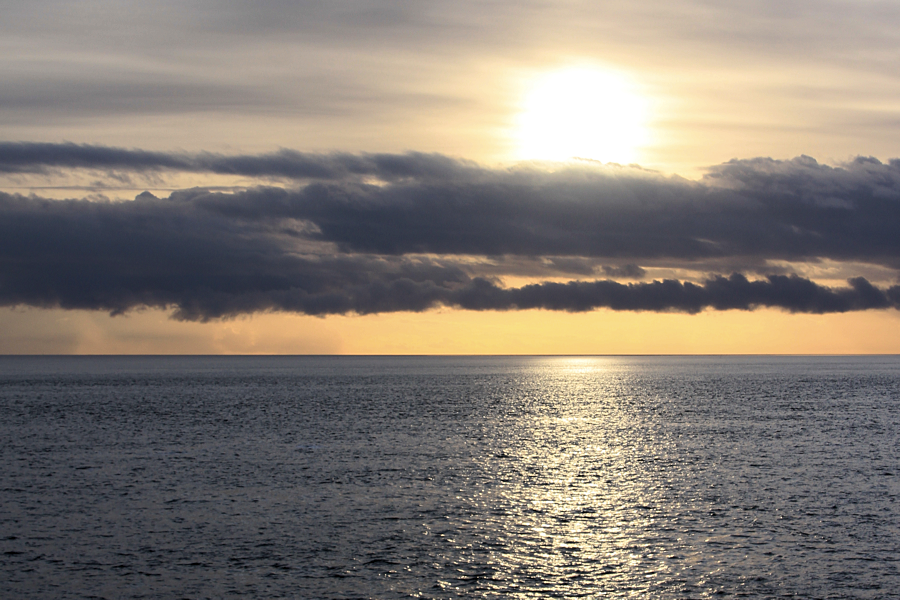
449,477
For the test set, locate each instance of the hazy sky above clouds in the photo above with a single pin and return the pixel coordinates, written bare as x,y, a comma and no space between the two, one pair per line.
361,171
724,80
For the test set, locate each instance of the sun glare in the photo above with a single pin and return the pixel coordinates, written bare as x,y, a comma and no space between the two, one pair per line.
582,112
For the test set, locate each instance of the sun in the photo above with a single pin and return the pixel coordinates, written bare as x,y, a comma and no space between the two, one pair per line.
582,112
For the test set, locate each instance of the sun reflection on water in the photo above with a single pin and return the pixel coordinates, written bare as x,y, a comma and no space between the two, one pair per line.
572,490
586,490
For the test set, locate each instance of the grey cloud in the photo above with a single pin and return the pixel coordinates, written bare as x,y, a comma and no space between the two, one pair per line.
744,211
23,157
86,94
167,253
625,271
174,253
832,27
167,27
805,212
794,294
408,245
801,211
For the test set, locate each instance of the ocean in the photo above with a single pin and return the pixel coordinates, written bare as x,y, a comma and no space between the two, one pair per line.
450,477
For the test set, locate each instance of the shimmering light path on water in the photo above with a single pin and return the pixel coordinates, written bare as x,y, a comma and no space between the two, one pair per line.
449,477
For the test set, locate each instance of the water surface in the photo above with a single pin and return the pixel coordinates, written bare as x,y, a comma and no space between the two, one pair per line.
421,477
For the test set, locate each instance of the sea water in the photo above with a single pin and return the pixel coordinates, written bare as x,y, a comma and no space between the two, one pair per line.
419,477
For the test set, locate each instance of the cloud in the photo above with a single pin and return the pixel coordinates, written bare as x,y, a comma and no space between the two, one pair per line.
343,246
415,240
794,294
31,157
123,94
398,293
171,253
625,271
752,210
800,212
175,253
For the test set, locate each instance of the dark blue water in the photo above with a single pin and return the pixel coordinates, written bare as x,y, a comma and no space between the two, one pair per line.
517,477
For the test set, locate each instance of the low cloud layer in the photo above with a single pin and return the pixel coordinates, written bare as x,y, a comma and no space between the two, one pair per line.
30,157
374,233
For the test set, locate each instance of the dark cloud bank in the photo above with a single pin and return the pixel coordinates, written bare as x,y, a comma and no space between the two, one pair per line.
380,232
26,157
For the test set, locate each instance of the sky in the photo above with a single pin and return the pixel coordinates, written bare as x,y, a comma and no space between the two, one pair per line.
427,177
